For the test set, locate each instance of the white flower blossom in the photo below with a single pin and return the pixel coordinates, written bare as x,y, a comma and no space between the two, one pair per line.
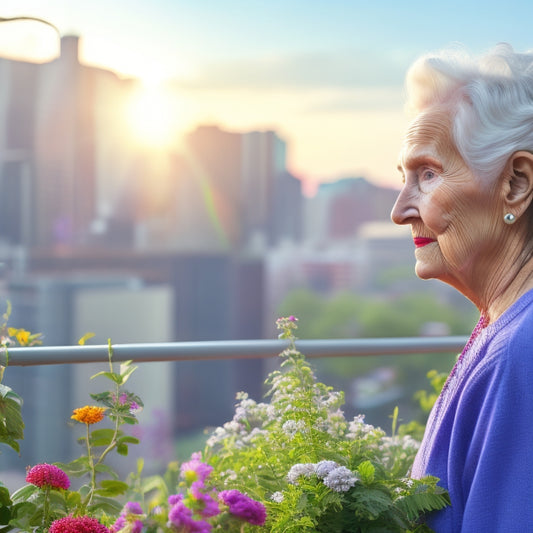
340,479
323,468
277,497
300,469
291,427
358,429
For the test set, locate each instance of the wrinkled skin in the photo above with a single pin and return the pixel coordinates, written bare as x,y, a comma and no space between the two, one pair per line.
467,243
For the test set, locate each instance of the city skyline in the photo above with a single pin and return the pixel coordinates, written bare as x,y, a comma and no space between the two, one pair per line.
327,76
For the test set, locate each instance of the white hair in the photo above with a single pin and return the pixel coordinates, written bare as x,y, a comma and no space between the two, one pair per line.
490,100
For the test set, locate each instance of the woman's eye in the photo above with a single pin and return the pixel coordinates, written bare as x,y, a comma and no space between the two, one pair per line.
428,174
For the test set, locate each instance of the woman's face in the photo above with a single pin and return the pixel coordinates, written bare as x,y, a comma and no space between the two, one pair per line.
455,218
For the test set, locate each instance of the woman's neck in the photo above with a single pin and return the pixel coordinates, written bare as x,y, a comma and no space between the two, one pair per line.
520,283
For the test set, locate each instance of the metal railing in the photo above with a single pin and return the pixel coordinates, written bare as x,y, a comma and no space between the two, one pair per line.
238,349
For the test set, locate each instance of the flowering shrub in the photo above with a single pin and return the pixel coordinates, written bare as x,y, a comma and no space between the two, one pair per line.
314,470
293,464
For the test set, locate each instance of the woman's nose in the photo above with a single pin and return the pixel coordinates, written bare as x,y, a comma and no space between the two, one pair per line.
405,208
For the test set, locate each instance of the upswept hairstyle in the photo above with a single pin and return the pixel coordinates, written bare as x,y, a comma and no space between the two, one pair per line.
490,99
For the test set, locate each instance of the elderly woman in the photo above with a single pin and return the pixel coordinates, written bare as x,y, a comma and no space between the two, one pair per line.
467,167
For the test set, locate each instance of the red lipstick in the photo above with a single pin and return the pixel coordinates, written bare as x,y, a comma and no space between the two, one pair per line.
422,241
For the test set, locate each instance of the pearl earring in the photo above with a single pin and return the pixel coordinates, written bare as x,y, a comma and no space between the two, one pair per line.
509,218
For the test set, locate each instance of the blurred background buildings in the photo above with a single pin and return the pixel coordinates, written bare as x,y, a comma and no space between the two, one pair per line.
198,241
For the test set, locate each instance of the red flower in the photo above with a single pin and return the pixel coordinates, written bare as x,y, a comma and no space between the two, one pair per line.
81,524
45,475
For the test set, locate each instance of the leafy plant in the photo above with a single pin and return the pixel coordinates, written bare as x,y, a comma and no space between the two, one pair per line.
292,464
39,503
316,471
11,423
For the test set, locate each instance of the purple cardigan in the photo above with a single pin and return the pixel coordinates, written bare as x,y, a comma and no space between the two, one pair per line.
479,436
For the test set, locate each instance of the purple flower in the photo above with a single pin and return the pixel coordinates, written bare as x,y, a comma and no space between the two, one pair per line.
244,507
133,508
195,470
173,499
128,516
180,516
207,505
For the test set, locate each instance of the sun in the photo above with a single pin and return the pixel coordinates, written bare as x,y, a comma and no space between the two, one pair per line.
153,116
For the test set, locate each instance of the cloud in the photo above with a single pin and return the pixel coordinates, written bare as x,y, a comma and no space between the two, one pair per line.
319,70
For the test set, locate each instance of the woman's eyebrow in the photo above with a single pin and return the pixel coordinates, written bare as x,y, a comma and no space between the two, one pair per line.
416,161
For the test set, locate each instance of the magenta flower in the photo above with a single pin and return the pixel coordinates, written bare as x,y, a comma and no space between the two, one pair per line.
80,524
129,516
195,471
244,507
207,505
173,499
48,476
180,516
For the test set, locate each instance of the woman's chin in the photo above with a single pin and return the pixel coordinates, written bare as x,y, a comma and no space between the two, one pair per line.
424,270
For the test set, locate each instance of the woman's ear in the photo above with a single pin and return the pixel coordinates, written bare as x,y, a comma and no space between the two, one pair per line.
518,186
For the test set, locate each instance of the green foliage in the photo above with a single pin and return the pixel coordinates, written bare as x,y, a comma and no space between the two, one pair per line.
349,315
33,508
297,456
275,452
352,315
11,423
428,399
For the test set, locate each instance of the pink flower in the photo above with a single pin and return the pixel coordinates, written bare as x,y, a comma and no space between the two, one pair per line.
129,515
48,476
181,517
207,505
195,471
244,507
81,524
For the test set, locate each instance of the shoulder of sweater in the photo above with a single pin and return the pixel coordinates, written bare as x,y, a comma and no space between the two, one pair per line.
509,345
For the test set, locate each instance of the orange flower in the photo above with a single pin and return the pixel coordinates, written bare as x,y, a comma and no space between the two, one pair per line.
90,414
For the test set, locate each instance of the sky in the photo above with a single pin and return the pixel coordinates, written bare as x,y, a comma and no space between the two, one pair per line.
326,75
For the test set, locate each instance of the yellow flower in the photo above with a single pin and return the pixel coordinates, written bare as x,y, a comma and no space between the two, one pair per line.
90,414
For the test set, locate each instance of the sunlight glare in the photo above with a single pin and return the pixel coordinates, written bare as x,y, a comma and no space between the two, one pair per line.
153,117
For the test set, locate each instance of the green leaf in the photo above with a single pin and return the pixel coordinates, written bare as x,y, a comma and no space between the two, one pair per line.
371,502
24,493
414,505
366,471
126,370
122,449
101,437
103,397
24,516
128,439
85,338
4,496
107,469
107,505
111,488
5,515
130,420
116,378
73,498
77,467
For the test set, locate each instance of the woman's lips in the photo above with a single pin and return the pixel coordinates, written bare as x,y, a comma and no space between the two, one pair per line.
422,241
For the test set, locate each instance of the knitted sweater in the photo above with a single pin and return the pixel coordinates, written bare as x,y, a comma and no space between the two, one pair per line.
479,436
